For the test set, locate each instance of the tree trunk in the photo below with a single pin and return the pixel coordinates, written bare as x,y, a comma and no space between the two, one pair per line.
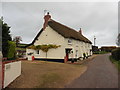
46,54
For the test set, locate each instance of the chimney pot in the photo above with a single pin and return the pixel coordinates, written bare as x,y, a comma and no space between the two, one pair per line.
80,31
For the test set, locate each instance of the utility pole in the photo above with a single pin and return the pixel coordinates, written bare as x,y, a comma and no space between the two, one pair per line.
94,40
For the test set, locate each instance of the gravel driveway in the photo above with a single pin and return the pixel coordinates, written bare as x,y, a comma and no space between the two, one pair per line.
101,73
43,74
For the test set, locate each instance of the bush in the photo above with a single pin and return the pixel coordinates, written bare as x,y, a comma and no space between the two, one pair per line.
116,54
11,50
97,52
116,62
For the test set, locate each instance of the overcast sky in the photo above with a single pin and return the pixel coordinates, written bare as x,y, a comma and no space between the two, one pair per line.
95,18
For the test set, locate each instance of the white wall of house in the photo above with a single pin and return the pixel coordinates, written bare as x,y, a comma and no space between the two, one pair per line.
49,36
80,46
11,72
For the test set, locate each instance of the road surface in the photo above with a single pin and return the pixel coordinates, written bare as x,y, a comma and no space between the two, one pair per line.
101,73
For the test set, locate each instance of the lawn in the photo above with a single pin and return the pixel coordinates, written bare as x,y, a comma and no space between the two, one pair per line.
43,74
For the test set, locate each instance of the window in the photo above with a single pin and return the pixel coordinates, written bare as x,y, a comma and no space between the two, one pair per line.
37,51
69,41
30,53
76,53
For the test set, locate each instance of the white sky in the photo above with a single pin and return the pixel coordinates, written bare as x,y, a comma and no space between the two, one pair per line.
95,18
60,0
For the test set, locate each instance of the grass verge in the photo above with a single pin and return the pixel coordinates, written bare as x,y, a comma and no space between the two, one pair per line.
116,62
100,52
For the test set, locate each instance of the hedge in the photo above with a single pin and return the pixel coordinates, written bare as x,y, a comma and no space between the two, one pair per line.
116,54
11,50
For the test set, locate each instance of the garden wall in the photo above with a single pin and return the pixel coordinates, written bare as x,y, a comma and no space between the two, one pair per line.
11,70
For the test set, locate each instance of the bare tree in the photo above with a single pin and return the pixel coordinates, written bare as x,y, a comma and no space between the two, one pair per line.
17,39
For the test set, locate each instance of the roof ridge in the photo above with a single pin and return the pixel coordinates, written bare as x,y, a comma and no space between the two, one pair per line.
63,25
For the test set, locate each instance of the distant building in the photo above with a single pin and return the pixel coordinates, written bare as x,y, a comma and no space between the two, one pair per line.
95,48
21,50
58,34
108,48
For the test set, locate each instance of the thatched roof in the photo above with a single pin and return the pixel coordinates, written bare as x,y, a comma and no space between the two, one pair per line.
67,32
64,31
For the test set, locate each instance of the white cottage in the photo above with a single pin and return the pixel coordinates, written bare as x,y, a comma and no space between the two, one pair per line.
72,43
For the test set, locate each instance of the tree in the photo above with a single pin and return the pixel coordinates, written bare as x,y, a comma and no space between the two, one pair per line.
11,51
17,39
0,35
5,38
118,40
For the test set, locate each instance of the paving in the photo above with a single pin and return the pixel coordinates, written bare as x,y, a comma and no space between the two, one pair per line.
101,73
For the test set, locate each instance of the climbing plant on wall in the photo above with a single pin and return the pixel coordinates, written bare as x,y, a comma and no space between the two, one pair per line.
45,48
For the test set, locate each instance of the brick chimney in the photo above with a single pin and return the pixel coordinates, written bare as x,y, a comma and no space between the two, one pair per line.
80,31
46,19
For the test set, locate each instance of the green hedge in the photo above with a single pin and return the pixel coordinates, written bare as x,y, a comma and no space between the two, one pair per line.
11,50
116,54
100,52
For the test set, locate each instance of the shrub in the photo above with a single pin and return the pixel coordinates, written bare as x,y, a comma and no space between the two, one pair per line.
116,54
11,50
100,52
97,52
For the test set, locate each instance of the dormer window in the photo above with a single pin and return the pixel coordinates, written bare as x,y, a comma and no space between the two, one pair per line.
69,41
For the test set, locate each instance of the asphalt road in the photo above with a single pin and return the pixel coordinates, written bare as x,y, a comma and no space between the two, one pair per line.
101,73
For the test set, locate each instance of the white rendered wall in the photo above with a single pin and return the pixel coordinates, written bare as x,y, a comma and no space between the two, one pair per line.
11,72
81,46
49,36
